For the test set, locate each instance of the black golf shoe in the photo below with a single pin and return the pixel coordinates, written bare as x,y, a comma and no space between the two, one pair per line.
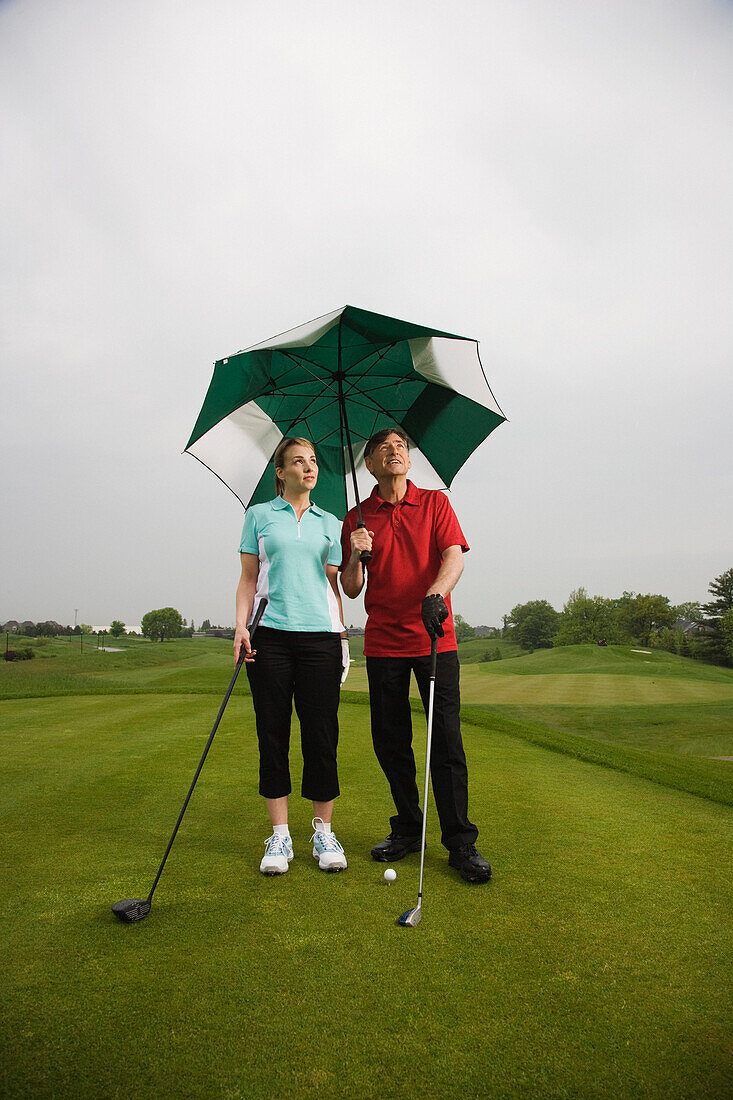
470,863
395,847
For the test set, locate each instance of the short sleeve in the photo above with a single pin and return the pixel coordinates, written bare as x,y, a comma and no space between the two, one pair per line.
334,538
447,528
249,544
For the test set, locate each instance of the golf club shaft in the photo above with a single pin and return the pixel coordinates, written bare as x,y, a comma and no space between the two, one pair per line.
230,689
431,700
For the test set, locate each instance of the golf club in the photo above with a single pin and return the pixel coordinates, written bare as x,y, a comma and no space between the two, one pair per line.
135,909
413,917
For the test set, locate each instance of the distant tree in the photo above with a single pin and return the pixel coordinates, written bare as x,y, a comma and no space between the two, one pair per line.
639,615
483,631
164,623
116,628
726,633
86,628
671,640
47,629
716,621
533,624
689,610
586,619
722,589
206,625
463,629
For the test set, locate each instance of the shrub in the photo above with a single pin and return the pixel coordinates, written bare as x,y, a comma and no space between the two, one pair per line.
24,654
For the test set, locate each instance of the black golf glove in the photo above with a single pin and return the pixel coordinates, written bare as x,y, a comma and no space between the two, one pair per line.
434,612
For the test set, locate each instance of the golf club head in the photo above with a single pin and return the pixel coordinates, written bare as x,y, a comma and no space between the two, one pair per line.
411,918
132,909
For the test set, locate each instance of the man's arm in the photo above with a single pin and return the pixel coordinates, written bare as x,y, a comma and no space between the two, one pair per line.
448,574
352,575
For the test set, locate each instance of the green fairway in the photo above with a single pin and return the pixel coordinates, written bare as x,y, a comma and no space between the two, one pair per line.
598,689
594,964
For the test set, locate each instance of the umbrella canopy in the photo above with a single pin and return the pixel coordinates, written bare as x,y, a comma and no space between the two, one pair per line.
337,380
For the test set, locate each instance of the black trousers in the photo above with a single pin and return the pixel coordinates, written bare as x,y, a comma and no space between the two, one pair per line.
389,687
305,666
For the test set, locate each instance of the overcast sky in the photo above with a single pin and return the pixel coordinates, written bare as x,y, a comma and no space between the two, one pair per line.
183,179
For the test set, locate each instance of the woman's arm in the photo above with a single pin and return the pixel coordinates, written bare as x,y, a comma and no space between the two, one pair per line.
332,577
245,599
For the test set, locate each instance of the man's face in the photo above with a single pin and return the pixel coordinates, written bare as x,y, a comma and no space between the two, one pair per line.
391,457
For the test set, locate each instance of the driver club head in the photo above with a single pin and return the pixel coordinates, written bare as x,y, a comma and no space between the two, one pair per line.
132,909
411,918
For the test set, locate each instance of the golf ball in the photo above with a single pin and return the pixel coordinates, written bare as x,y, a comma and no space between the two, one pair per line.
390,874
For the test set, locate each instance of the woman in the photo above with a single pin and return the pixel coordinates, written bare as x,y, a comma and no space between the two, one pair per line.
290,553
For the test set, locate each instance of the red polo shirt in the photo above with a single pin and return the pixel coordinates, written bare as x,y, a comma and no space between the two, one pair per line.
409,540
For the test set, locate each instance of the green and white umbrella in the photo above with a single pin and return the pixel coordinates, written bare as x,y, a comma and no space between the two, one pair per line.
337,380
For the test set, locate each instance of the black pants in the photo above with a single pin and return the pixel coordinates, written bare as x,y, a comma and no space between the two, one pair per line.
389,687
306,666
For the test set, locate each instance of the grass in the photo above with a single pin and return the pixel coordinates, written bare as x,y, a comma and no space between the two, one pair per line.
637,712
595,963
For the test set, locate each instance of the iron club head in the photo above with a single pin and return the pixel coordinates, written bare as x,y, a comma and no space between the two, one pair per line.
411,917
132,909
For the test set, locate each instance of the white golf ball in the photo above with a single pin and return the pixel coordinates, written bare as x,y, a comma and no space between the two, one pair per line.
390,874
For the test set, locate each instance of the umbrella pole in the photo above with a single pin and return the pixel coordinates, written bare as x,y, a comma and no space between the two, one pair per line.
365,555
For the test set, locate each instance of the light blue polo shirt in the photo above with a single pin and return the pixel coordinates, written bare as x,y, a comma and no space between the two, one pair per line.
293,556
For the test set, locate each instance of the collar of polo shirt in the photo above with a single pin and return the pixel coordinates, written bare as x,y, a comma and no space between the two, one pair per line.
412,496
281,502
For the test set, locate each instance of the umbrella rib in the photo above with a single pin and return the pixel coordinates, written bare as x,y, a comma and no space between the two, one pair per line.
387,386
351,382
327,382
303,363
368,394
370,408
380,354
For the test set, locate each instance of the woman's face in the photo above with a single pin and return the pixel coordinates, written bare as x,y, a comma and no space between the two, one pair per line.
300,471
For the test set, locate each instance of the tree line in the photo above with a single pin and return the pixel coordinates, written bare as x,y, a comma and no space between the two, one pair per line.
691,629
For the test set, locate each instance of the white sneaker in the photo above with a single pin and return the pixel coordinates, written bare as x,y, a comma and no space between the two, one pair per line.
278,853
326,849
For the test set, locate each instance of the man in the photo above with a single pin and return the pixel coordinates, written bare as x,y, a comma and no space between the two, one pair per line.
417,549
